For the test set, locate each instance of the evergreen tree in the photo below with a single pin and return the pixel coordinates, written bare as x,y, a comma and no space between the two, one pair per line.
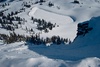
50,4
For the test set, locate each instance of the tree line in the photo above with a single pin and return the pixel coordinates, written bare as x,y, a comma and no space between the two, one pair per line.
36,40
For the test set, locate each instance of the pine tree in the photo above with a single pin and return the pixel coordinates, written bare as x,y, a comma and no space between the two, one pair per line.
41,0
50,4
76,1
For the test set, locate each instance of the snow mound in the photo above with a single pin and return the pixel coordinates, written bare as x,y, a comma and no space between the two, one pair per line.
46,62
89,62
42,62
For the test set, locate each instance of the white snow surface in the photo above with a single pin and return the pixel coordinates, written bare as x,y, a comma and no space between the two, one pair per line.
66,25
83,52
17,55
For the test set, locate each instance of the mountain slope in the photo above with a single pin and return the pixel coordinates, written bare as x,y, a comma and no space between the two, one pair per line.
78,12
17,55
64,23
65,15
82,47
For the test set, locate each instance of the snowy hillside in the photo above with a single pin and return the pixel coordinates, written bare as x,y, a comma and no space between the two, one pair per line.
49,33
17,55
56,12
83,46
65,23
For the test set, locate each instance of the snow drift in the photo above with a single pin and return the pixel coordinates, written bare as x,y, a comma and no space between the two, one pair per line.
17,55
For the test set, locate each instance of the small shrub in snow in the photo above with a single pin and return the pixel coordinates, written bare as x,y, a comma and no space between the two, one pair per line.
76,2
50,4
28,6
1,14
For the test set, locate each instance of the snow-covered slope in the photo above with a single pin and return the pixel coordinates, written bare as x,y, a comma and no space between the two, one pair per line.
82,47
66,25
17,55
58,14
83,52
92,37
